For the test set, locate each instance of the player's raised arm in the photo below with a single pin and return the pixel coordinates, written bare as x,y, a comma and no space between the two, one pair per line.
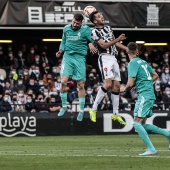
105,45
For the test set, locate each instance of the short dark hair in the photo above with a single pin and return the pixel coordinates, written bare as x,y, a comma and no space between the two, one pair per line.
78,17
132,48
91,16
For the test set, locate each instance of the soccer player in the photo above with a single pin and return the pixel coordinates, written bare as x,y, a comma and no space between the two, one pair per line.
142,76
106,43
76,37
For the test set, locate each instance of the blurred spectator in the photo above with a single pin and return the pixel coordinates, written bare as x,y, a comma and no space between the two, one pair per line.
72,90
159,71
32,85
123,74
30,56
58,83
16,104
165,77
31,93
155,56
55,72
53,106
29,105
158,94
36,74
96,75
91,81
144,55
166,60
48,81
21,59
166,98
56,95
89,99
5,106
8,86
40,105
46,95
19,86
38,61
26,76
3,59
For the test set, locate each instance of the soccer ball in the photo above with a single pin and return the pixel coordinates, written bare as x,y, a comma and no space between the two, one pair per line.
88,10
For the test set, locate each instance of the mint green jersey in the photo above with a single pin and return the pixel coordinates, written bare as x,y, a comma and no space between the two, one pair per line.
74,42
141,71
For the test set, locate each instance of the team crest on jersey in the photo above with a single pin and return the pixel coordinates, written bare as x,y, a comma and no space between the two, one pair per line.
105,70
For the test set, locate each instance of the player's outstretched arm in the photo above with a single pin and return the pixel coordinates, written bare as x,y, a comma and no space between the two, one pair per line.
105,45
128,86
154,76
92,48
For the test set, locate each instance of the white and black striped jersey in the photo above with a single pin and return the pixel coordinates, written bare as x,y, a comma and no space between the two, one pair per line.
106,34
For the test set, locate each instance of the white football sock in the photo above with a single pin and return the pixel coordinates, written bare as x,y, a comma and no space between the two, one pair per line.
115,102
99,97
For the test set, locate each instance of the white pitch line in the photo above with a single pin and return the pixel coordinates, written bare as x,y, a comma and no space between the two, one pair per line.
35,154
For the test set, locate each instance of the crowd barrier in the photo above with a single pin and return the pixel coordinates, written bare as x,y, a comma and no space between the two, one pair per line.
49,124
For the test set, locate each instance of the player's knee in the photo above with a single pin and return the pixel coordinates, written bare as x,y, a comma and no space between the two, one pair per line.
107,85
81,87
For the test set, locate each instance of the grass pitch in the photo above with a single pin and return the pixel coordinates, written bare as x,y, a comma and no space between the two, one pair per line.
109,152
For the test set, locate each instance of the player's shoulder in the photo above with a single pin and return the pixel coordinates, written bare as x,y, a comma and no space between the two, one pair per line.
85,26
67,27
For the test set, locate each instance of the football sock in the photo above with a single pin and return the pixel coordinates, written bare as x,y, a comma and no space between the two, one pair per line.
64,99
99,97
81,104
115,102
143,135
155,129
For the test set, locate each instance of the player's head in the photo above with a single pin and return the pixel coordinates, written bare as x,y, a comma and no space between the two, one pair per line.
132,49
97,18
77,21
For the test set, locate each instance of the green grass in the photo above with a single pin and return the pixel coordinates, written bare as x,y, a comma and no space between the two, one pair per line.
82,152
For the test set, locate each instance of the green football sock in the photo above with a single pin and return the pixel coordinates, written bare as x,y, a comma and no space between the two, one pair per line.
155,129
143,135
81,104
64,99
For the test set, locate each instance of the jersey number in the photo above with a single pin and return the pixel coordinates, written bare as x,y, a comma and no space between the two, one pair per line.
147,72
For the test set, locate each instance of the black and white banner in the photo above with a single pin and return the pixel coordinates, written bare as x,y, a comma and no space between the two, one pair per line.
127,14
44,124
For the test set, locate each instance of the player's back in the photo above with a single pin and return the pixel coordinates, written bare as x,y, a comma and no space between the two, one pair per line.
141,71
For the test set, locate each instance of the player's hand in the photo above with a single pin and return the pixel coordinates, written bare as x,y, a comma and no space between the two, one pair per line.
92,48
121,37
122,88
58,54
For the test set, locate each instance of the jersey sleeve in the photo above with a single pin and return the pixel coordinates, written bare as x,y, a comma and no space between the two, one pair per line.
62,44
95,35
132,69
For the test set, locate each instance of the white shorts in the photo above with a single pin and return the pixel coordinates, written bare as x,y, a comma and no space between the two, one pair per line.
109,67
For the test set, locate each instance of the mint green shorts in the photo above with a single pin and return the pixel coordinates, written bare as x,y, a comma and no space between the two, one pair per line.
74,67
143,107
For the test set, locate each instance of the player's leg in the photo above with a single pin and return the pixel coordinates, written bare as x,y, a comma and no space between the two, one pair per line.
79,74
103,66
156,129
141,112
63,95
81,95
115,91
66,72
115,102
